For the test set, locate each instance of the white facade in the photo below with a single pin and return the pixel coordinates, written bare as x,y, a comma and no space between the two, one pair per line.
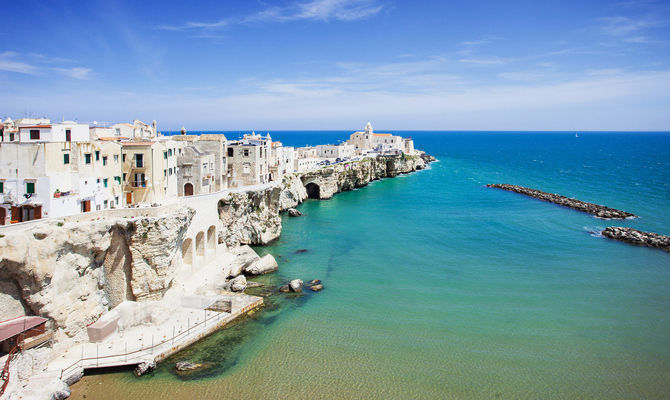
68,131
340,151
306,164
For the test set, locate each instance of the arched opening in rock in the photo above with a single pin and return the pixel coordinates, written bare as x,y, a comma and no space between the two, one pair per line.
313,190
188,189
200,244
211,237
187,251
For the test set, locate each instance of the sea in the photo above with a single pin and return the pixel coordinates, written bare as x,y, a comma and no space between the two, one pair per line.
436,287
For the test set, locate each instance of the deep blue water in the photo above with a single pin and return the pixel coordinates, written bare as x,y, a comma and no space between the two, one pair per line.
438,287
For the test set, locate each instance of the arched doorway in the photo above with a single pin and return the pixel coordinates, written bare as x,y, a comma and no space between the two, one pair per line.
200,244
211,238
188,189
313,190
187,251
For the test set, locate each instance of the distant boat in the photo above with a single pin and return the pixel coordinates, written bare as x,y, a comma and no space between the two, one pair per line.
576,134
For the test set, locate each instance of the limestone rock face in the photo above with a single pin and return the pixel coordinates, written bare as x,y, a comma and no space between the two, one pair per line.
74,272
293,192
251,217
262,266
245,256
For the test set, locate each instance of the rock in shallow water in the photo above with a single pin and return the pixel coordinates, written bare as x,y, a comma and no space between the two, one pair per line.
317,287
295,285
144,367
186,366
284,289
292,212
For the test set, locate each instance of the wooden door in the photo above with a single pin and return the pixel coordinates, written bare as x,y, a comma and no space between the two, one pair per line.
38,212
16,215
188,189
68,135
129,198
86,206
3,215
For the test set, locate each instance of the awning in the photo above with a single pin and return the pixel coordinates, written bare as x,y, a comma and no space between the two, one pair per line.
13,327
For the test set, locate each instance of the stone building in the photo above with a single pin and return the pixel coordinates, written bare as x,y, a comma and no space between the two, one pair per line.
332,151
368,140
196,173
249,161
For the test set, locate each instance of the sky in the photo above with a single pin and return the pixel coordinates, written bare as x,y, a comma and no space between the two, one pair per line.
337,64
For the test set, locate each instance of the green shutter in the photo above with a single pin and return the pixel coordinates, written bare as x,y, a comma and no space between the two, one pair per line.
30,187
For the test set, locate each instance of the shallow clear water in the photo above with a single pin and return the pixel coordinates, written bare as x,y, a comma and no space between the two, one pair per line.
437,287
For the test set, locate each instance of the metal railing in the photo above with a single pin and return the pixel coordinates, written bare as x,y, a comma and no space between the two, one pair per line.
80,362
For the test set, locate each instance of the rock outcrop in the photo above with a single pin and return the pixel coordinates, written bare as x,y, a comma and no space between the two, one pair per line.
74,272
591,208
264,265
636,237
251,217
292,212
295,285
238,284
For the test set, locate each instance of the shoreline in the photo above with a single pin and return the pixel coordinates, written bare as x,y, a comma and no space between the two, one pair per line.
277,198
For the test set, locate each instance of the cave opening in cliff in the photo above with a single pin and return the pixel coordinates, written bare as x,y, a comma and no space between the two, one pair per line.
313,191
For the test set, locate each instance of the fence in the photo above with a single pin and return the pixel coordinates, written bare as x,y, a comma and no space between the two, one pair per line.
81,362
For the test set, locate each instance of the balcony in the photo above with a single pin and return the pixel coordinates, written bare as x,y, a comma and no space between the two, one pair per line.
138,164
139,183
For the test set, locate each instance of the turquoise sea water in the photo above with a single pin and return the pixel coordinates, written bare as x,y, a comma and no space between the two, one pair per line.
437,287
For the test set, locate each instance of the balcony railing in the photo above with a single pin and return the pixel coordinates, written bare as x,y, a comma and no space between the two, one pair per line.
139,183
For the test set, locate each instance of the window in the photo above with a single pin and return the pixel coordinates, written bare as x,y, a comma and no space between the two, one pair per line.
204,165
230,151
97,155
104,160
106,204
165,173
170,152
170,171
116,158
165,155
117,179
87,158
68,135
246,153
124,157
139,180
124,176
2,187
105,182
116,200
34,134
139,160
30,187
11,137
66,158
117,131
97,181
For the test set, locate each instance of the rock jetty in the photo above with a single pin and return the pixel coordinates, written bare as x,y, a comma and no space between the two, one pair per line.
636,237
593,209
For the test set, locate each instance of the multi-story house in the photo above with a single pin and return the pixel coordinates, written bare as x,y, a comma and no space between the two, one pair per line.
149,171
249,161
55,179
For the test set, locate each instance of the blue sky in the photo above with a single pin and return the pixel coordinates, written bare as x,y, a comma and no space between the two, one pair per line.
335,64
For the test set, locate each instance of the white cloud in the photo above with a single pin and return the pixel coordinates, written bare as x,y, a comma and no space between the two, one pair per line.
39,65
76,72
9,63
317,10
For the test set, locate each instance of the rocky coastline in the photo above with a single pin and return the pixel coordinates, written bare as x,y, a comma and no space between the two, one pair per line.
636,237
596,210
74,271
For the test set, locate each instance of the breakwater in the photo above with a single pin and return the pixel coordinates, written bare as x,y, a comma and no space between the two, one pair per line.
596,210
636,237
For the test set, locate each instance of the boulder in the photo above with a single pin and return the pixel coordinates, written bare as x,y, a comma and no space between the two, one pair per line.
295,285
284,289
292,212
262,266
238,284
244,257
144,367
314,282
186,366
317,287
